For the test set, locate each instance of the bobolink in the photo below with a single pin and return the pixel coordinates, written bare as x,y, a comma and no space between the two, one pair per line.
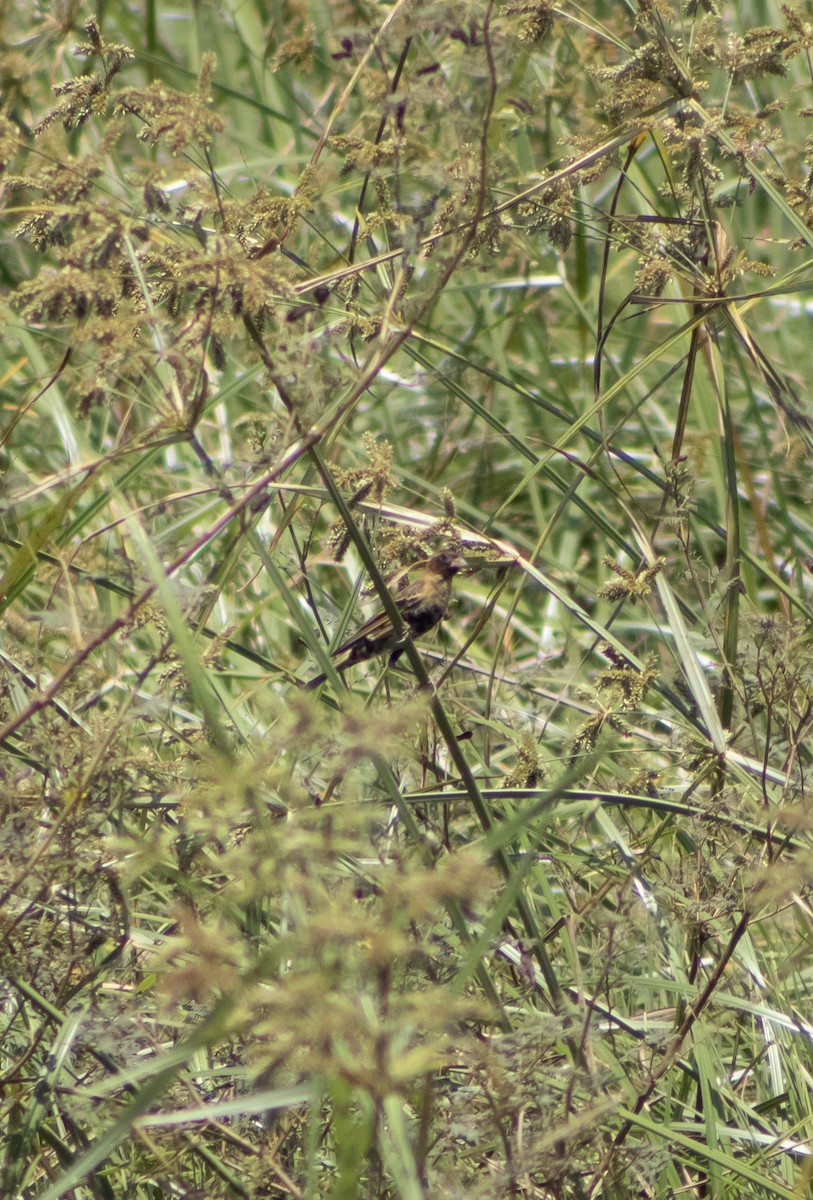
422,604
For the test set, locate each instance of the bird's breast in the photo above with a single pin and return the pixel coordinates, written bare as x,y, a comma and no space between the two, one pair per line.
426,618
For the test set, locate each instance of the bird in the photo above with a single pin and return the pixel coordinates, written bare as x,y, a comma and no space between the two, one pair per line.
422,604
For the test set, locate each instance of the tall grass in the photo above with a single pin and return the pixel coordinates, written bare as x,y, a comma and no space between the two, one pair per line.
292,295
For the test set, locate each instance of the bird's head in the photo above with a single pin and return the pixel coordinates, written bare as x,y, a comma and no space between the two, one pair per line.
446,563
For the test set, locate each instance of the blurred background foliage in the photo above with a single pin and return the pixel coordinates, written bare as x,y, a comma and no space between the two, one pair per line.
293,293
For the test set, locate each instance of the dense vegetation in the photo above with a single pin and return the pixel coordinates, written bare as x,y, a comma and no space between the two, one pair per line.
295,293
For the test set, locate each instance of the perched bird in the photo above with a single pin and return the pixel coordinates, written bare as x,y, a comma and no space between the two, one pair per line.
422,604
